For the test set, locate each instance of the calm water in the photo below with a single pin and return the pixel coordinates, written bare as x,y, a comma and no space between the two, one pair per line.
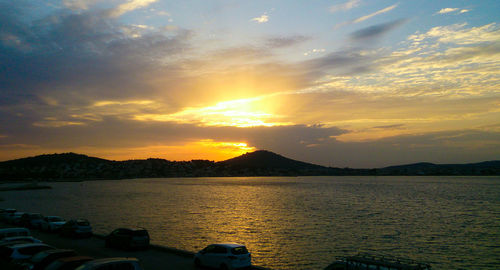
296,222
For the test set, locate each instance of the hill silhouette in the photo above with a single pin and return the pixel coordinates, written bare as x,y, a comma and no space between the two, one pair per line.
72,166
267,159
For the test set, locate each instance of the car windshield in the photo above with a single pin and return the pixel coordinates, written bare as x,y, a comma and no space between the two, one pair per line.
39,257
140,233
36,216
239,250
55,219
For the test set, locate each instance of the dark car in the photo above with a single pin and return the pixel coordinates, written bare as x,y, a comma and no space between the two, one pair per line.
40,260
76,228
68,263
128,238
31,220
21,251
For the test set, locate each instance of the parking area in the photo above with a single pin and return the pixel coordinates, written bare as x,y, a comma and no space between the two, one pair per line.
154,258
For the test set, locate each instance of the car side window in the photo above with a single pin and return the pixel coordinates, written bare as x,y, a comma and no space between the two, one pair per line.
104,267
220,250
121,232
123,266
210,249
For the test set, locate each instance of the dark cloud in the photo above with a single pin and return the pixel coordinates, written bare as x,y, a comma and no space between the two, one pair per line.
282,42
85,55
395,126
346,62
375,31
438,147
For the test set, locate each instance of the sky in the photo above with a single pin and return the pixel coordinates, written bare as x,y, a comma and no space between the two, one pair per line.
347,83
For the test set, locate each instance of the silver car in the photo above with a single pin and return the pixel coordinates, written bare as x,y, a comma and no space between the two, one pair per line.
111,263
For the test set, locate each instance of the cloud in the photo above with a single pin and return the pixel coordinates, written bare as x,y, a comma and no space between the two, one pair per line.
79,4
390,126
314,51
382,11
262,19
345,6
374,31
129,6
460,34
447,10
452,10
73,58
281,42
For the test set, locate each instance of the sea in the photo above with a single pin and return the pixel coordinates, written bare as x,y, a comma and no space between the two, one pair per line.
298,223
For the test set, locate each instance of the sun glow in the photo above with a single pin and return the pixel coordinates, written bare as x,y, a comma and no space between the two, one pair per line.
207,149
249,112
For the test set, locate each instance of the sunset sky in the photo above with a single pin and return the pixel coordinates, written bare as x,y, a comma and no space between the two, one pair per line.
357,83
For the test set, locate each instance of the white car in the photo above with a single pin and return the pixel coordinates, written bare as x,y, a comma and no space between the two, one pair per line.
223,256
111,263
76,228
52,223
21,251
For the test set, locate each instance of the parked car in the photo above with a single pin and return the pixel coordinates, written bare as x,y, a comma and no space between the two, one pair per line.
27,239
12,243
40,260
51,223
5,212
223,256
68,263
76,228
21,251
31,220
11,232
128,238
14,218
111,263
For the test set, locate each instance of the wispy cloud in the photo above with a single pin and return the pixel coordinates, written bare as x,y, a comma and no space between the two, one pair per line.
314,51
129,6
447,10
382,11
262,19
377,30
286,41
452,10
345,6
78,4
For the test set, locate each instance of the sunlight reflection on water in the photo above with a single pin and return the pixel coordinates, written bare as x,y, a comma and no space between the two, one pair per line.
295,222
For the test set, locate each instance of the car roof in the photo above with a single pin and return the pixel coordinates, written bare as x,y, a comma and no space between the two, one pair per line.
13,229
108,260
50,251
13,243
28,245
53,217
74,258
16,238
230,245
132,229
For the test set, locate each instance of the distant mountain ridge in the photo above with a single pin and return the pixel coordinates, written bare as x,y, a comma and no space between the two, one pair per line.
71,166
